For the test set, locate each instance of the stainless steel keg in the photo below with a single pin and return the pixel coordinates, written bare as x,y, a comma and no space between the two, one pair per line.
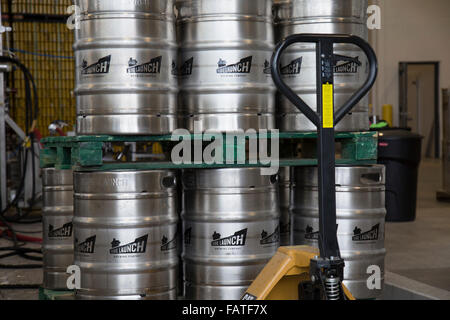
231,230
126,234
125,57
299,61
57,228
360,210
224,66
285,196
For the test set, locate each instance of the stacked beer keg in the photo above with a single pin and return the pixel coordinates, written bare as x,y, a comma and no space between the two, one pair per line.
125,222
230,216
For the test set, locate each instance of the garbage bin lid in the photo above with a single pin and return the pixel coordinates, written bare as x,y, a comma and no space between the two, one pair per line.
398,135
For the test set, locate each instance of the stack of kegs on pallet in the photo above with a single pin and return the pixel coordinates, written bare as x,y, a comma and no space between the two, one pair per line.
149,67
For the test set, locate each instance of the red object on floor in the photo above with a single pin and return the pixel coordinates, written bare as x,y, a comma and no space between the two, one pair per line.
21,237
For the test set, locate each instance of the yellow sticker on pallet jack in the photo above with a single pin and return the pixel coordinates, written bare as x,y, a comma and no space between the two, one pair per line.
328,109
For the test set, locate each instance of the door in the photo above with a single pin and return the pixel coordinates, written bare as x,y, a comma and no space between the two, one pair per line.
419,104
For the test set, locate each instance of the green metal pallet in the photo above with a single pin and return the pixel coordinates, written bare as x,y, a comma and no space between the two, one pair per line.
86,152
46,294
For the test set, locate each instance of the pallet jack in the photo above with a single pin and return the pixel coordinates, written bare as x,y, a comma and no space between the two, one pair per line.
303,272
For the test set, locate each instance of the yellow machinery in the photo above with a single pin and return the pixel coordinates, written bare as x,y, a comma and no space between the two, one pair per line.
282,277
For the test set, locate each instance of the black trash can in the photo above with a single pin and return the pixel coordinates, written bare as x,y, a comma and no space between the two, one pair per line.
400,151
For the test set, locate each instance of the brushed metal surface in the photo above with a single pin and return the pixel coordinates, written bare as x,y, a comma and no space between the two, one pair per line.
360,210
231,230
225,50
299,61
126,234
57,227
125,54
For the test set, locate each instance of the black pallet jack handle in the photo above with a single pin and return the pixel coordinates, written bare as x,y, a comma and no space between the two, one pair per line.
325,120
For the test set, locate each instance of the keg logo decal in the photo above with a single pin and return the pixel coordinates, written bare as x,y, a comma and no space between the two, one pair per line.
187,236
236,240
99,67
311,234
64,232
267,67
292,68
186,68
167,245
270,238
371,235
243,66
151,67
87,246
137,246
174,71
349,65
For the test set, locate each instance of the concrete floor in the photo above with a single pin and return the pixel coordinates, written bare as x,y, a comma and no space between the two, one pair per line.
418,250
21,276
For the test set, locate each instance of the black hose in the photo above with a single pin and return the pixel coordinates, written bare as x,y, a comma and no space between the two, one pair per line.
30,117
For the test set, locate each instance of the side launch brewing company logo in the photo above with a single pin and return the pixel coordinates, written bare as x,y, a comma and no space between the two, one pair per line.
345,64
137,246
151,67
293,68
310,234
235,240
87,246
186,68
167,245
99,67
64,232
270,238
243,66
371,235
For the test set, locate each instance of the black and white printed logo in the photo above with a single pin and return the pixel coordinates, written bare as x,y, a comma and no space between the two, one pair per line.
311,234
186,68
236,240
174,71
167,245
243,66
267,67
345,64
99,67
151,67
137,246
371,235
270,238
86,246
292,68
187,236
64,232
